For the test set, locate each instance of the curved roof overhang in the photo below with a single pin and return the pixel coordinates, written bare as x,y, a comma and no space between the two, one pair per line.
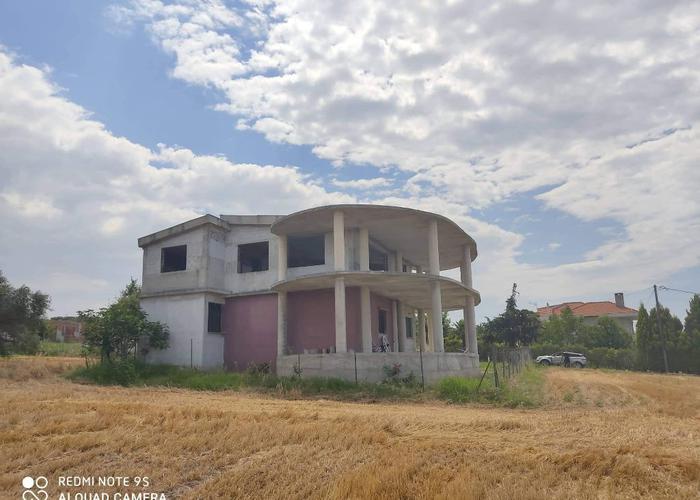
396,228
411,288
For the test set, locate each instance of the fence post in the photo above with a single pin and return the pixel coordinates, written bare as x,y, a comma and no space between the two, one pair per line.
355,367
422,376
495,365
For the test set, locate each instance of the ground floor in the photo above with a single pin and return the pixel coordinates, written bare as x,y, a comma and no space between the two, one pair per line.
208,330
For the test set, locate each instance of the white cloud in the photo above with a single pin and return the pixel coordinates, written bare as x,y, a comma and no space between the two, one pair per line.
75,197
479,103
372,183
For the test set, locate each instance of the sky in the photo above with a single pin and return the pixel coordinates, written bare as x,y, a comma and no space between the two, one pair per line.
563,136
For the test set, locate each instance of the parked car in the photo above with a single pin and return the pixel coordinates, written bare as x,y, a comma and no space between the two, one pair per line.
576,359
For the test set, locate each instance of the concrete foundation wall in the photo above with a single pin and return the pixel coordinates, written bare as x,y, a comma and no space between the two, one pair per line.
189,343
370,366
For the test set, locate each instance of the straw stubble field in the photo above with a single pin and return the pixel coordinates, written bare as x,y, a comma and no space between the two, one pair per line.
598,435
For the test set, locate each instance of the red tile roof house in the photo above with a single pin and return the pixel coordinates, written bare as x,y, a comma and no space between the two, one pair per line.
591,311
324,288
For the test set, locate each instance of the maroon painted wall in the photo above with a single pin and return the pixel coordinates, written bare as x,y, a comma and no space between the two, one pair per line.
311,320
250,331
379,302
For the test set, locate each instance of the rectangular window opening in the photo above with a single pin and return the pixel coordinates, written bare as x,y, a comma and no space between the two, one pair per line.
378,260
214,318
409,327
382,322
254,257
305,251
173,259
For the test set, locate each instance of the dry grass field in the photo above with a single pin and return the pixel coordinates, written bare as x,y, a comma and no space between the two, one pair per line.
600,434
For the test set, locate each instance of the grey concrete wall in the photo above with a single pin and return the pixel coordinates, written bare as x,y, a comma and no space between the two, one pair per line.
370,366
186,317
237,282
193,277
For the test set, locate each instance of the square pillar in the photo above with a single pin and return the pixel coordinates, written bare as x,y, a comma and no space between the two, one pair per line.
339,240
397,321
435,292
398,262
341,340
469,313
364,249
366,318
281,323
281,258
421,329
402,326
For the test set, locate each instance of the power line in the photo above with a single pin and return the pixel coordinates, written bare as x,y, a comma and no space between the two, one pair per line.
662,287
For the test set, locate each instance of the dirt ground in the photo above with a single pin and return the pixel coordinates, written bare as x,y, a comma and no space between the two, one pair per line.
601,434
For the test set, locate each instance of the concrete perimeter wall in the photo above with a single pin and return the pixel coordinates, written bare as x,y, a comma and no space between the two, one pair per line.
370,366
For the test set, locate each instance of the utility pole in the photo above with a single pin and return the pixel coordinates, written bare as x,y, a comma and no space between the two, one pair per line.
658,324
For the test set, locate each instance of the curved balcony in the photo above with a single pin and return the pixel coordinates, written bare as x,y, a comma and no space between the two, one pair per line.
412,289
398,228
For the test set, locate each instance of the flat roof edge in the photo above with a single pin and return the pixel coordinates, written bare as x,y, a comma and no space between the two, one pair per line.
181,228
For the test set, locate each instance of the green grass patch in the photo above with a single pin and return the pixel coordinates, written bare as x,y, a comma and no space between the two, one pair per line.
523,390
66,349
139,374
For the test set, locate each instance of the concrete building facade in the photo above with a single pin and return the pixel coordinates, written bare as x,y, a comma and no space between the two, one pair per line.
318,290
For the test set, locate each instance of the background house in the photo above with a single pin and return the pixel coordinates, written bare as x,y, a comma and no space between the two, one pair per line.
591,311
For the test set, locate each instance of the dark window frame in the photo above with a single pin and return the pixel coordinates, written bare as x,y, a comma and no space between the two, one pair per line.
216,317
294,248
385,314
409,327
374,251
264,260
172,267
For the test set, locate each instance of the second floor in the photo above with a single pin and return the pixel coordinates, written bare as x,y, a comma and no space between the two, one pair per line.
234,254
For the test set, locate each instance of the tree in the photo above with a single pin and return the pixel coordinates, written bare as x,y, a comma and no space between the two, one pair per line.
121,329
607,333
454,334
564,329
692,318
514,327
21,317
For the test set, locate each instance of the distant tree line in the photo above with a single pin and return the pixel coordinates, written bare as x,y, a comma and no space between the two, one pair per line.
605,343
22,318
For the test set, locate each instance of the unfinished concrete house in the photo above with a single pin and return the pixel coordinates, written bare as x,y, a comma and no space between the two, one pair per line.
340,290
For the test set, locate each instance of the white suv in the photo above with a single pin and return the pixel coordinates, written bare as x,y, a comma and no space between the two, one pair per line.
576,359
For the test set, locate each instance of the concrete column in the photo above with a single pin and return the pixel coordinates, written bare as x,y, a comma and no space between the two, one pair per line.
364,249
366,318
421,329
397,320
402,326
466,267
281,258
433,250
281,296
281,323
469,313
430,340
339,240
398,264
435,292
470,327
341,340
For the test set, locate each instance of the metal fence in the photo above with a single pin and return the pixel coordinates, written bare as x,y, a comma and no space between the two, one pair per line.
507,362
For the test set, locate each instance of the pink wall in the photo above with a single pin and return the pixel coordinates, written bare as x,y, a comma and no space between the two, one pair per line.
250,331
379,302
250,325
311,320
